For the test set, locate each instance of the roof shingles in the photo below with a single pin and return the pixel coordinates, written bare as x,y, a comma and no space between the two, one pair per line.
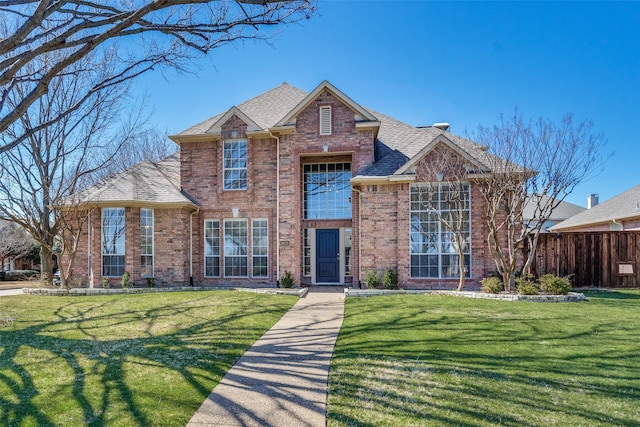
396,144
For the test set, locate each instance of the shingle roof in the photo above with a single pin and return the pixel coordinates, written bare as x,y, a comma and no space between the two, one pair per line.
563,211
397,142
265,109
145,183
159,183
621,207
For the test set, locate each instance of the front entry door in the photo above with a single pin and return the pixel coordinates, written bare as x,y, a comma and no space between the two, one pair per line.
327,256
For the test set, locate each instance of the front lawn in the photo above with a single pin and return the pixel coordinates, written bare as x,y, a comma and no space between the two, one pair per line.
444,361
123,360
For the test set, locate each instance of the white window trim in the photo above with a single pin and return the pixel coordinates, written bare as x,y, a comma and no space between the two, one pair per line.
224,256
326,125
253,220
439,253
102,254
204,242
246,168
153,242
305,210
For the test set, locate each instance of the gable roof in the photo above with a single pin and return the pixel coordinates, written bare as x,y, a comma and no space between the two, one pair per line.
624,206
563,211
264,110
398,145
146,184
364,115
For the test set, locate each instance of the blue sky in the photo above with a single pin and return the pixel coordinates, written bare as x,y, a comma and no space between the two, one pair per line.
424,62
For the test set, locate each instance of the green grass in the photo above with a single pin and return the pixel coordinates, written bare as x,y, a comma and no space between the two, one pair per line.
444,361
123,360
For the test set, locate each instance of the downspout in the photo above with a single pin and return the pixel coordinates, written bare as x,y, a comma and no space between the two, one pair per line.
277,138
359,233
191,245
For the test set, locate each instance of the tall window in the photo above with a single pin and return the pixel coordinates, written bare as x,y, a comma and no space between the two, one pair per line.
348,256
434,251
307,251
327,191
212,248
235,164
146,242
260,247
236,245
113,242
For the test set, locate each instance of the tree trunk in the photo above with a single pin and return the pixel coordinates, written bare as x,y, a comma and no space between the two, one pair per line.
46,265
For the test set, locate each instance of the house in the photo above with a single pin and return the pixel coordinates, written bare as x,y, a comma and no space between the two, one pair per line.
620,213
560,213
306,182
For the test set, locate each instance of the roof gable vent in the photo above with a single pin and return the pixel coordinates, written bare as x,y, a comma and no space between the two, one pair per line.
325,120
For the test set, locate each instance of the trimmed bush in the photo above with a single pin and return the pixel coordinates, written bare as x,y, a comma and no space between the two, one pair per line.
390,279
126,279
491,285
287,280
371,279
526,286
555,285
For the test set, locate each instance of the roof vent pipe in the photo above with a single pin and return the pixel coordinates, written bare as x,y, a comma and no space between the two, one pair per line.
444,126
592,200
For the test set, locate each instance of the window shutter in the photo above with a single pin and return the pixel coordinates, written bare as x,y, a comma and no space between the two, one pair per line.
325,120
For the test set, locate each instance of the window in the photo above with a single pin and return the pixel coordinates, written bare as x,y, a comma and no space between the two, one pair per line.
307,251
235,164
325,120
327,191
113,242
212,248
348,257
236,242
434,251
260,248
146,242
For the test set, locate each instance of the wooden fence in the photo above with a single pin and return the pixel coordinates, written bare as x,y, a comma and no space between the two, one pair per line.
603,259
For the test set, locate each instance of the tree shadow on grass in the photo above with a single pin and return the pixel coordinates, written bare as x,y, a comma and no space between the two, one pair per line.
109,363
432,365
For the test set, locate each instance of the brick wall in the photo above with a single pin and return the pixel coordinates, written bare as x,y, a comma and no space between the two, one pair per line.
171,248
202,178
306,145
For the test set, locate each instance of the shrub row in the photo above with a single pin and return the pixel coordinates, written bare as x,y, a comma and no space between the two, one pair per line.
549,283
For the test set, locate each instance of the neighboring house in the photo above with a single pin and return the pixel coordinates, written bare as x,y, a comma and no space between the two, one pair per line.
563,211
311,183
620,213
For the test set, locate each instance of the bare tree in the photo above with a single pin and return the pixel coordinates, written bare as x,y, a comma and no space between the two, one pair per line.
41,40
543,159
14,242
149,144
60,158
446,199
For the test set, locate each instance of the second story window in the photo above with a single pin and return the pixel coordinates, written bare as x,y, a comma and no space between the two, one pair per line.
327,191
234,164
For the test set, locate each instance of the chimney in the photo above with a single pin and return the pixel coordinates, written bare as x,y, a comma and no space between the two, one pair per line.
592,200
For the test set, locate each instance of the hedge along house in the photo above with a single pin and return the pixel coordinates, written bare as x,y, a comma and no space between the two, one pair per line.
310,183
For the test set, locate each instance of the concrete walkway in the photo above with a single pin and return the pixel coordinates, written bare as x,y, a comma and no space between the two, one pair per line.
282,379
